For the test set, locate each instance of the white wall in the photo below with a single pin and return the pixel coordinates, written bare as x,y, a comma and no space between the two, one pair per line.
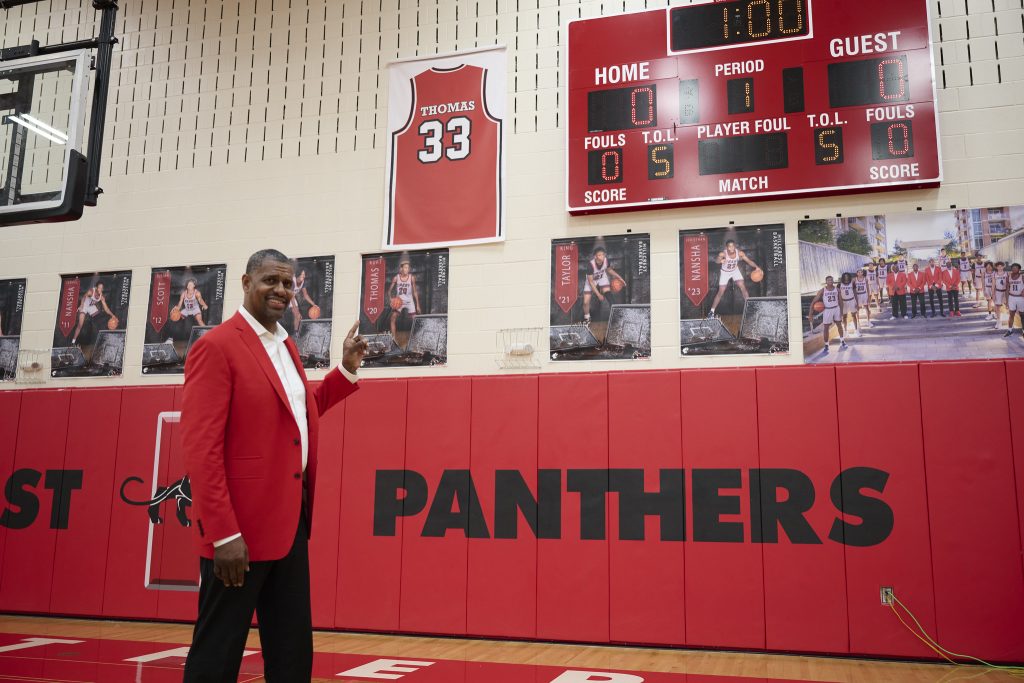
240,124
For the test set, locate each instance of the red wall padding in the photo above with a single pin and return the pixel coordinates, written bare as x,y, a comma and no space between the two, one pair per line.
950,469
27,570
724,581
80,563
979,583
323,544
804,583
903,561
1015,380
124,594
646,575
10,414
433,595
369,568
503,437
572,572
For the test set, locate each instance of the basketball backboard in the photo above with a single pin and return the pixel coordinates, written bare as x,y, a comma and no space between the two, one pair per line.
43,173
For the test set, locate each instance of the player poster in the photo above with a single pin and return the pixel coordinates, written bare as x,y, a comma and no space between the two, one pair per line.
937,285
185,302
92,315
446,150
403,312
732,287
12,309
308,319
601,298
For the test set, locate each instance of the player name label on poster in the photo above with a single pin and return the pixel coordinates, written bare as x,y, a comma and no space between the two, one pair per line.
445,150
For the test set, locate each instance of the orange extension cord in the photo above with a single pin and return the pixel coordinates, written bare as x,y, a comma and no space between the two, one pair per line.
941,651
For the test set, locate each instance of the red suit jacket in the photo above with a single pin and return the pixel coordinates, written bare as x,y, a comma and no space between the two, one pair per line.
897,283
242,447
951,279
918,281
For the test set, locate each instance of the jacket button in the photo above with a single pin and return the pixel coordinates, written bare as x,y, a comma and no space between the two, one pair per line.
298,475
296,442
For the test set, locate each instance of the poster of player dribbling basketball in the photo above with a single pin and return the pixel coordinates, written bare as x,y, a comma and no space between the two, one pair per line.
927,285
403,312
92,316
732,286
184,303
12,310
445,150
601,298
309,317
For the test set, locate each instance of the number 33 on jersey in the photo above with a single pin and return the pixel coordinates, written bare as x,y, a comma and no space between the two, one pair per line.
444,185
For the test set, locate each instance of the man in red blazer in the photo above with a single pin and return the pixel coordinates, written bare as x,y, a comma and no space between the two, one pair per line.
951,283
897,283
250,427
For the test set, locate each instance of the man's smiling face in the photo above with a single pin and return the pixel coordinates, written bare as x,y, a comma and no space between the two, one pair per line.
268,291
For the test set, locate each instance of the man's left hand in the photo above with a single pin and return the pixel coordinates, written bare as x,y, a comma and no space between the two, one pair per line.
354,349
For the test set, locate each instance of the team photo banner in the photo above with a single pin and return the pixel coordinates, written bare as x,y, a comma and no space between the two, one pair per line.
937,285
601,298
403,313
12,311
92,316
185,302
732,291
446,150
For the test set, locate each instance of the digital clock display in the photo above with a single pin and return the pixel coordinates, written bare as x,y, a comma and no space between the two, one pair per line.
698,27
720,101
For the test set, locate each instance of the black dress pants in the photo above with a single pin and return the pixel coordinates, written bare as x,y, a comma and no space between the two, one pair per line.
934,294
954,301
278,591
899,305
914,299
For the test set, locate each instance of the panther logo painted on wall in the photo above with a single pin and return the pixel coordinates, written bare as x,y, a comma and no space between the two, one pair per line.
180,492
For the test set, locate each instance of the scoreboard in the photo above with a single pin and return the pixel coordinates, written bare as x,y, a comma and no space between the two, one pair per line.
743,99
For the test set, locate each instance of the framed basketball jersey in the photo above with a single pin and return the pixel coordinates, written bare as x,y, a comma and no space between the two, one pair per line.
445,150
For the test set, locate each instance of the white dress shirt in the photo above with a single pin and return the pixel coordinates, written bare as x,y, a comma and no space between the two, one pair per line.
294,389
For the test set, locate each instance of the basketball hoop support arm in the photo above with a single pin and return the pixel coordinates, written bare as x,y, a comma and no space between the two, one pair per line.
104,46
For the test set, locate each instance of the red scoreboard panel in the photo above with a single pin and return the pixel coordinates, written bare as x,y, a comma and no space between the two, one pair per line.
740,99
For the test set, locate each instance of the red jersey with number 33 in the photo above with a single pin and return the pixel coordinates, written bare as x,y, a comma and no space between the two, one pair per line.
445,183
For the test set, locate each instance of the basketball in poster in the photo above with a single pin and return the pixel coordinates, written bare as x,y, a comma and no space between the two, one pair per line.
12,310
403,312
92,316
601,298
309,315
732,290
184,303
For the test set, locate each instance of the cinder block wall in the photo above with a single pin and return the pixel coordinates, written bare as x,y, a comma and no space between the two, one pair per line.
240,124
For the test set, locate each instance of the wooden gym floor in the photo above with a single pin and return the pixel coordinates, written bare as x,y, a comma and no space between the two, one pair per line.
123,651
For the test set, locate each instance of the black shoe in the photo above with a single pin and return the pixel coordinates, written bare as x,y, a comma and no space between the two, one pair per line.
1008,333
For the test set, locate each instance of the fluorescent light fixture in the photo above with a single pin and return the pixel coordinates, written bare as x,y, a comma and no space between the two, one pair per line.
45,126
38,131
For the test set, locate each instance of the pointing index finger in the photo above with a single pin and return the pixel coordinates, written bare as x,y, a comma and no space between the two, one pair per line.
352,332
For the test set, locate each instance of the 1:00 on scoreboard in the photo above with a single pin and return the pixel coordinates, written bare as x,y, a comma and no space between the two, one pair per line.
784,116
